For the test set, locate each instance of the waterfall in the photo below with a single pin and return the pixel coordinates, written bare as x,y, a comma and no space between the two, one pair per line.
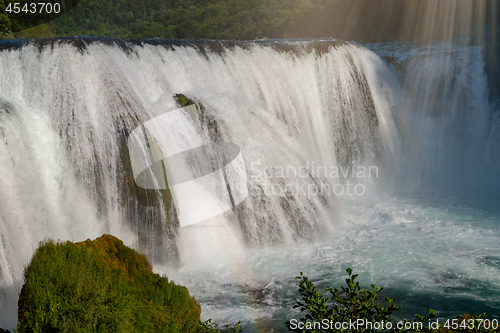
68,106
451,117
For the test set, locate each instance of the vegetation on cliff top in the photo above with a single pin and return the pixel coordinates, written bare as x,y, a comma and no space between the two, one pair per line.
101,286
185,19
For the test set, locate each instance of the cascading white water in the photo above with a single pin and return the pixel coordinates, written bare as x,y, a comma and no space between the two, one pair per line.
451,118
65,114
451,128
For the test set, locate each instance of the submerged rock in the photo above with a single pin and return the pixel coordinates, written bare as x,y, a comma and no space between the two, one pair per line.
100,286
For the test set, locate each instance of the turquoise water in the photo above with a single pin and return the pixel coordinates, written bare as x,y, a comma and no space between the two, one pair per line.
427,253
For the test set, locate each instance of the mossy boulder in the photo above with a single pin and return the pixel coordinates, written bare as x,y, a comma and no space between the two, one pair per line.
100,286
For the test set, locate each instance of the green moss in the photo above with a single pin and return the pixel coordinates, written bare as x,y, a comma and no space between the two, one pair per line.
100,286
183,101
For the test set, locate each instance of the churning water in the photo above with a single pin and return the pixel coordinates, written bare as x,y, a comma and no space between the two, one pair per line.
349,162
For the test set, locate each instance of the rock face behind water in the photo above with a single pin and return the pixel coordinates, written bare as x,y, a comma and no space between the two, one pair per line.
100,286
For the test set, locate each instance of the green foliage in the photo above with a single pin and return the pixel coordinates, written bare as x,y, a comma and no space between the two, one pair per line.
209,326
5,24
183,101
100,286
352,303
184,19
349,303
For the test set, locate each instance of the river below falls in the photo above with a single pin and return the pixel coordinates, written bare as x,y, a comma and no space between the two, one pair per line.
427,254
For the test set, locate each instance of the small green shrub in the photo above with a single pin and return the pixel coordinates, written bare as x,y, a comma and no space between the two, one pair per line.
352,303
209,326
349,303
